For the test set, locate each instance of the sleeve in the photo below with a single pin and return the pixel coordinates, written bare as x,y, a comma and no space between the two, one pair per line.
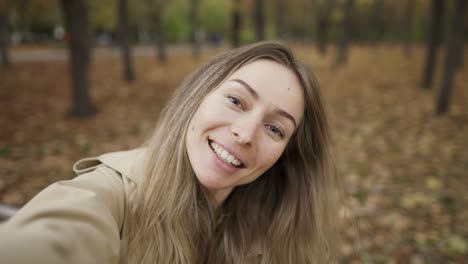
75,221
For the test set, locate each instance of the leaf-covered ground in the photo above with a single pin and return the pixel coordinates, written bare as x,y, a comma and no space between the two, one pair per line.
404,168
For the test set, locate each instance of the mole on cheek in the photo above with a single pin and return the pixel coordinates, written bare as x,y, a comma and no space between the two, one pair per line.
193,128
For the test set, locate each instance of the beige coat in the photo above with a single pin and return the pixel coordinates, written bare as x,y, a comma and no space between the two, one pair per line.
76,221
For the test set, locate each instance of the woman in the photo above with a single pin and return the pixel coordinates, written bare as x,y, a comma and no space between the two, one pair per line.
236,171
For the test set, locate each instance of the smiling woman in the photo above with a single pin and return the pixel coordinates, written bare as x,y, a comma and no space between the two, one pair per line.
236,171
238,132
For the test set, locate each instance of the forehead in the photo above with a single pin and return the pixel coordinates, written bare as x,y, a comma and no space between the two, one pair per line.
276,85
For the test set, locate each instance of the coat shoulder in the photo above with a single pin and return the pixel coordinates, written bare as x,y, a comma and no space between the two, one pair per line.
127,163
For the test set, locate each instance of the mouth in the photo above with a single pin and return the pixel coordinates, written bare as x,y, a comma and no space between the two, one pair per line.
224,155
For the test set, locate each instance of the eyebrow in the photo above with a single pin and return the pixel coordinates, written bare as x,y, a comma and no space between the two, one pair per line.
248,87
255,95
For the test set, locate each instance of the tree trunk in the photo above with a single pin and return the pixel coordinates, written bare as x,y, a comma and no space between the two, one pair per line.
155,10
23,20
259,18
455,37
461,55
307,20
376,21
407,27
145,35
160,40
343,38
4,38
323,10
79,46
279,18
236,24
194,4
461,48
434,34
124,35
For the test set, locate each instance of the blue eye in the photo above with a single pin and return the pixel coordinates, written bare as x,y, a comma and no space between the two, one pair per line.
275,130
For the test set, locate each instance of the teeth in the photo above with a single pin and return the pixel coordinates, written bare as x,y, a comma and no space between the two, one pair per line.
224,155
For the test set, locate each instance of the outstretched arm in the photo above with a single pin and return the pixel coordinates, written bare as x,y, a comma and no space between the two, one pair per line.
76,221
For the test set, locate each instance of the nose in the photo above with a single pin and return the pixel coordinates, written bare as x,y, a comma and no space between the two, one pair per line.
244,130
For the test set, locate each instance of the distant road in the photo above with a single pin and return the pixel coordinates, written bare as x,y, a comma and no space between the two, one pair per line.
57,54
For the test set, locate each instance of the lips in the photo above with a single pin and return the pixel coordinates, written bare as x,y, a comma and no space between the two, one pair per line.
225,155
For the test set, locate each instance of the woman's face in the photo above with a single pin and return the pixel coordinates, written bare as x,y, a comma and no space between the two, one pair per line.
242,128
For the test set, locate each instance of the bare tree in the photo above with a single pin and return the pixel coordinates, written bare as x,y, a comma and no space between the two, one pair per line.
323,9
343,37
461,48
407,27
124,41
23,20
160,39
235,23
155,27
454,46
279,18
159,32
259,19
376,21
77,26
434,33
144,30
4,36
194,6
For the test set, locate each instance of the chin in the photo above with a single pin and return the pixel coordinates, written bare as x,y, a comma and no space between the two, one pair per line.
212,184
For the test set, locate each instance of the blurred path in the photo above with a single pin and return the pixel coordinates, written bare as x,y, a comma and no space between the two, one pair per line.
57,54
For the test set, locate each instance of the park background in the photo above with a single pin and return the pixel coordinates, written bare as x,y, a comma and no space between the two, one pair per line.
80,78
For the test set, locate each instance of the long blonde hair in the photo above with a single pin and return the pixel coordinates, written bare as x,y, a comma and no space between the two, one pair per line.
288,215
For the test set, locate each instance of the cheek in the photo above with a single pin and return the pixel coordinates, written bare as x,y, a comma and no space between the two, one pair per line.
270,155
206,121
264,162
193,130
197,121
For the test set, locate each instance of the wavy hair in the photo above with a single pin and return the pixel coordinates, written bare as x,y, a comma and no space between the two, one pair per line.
287,215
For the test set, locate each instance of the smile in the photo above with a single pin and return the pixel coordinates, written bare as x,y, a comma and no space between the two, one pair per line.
224,155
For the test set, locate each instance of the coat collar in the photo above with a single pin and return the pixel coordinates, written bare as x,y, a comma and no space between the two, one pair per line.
128,163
